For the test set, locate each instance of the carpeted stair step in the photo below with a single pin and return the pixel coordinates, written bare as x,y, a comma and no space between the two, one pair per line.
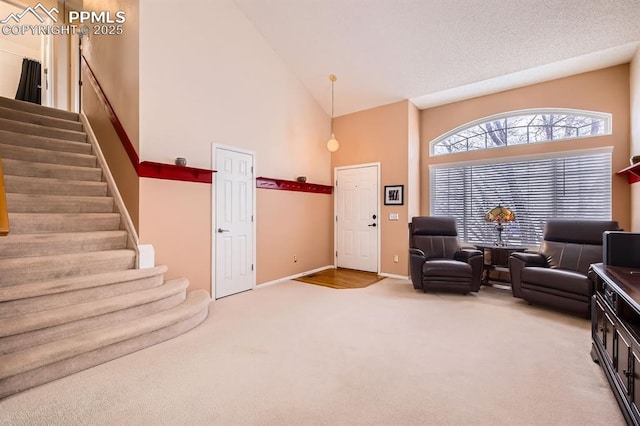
27,245
21,139
16,271
37,130
70,297
47,170
42,120
40,296
36,203
38,109
38,155
44,363
38,223
33,185
24,331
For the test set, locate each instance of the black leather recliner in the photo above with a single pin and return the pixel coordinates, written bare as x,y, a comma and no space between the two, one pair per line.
437,261
557,276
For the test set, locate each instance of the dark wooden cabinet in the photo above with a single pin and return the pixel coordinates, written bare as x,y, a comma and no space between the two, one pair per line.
635,383
623,352
615,329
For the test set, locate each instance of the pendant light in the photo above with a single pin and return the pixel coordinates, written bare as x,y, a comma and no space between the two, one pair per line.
332,143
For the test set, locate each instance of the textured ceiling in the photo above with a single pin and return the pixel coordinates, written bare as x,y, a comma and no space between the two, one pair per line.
439,51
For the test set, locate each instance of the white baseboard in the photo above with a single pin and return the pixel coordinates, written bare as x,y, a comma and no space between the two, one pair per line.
397,277
292,277
146,257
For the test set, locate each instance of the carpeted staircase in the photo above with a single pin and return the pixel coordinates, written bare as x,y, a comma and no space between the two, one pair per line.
70,296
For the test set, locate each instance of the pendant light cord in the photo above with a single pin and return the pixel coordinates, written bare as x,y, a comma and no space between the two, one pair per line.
332,143
333,79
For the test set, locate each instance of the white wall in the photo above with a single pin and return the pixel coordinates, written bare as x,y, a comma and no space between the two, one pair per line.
206,75
635,137
12,49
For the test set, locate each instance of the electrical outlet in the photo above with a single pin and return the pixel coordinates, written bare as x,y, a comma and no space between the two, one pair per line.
395,258
295,259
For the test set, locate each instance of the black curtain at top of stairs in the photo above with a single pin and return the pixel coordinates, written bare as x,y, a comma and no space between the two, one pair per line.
29,87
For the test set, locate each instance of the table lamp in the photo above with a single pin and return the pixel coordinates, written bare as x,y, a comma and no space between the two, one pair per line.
499,215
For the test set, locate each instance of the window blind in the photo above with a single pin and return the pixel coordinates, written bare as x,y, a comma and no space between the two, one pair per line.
575,185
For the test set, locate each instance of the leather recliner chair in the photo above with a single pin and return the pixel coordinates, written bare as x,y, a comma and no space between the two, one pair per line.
557,276
437,261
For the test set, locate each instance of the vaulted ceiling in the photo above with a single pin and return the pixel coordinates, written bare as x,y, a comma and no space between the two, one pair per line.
439,51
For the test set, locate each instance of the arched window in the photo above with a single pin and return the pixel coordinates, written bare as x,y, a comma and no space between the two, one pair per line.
522,127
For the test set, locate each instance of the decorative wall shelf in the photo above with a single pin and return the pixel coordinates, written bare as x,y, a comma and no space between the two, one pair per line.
292,185
172,172
148,169
632,172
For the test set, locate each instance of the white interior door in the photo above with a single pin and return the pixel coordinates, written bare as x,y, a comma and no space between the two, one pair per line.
357,218
233,230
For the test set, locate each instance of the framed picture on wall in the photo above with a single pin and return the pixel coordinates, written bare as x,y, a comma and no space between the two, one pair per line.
394,195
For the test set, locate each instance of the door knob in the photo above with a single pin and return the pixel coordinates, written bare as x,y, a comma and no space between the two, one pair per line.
373,224
220,230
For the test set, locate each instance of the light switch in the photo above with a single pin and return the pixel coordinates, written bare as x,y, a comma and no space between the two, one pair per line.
394,216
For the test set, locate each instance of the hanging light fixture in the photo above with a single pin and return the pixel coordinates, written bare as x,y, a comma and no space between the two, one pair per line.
332,143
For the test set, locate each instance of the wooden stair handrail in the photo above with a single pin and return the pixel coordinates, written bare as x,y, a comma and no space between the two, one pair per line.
4,213
146,168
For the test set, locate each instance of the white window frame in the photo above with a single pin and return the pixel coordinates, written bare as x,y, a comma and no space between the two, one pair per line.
607,118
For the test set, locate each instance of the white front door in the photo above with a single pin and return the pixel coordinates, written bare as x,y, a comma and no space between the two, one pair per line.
357,218
233,230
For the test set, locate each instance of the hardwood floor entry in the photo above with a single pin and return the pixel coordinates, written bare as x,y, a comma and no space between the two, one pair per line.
341,278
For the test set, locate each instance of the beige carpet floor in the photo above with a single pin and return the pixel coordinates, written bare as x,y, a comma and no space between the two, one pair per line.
293,354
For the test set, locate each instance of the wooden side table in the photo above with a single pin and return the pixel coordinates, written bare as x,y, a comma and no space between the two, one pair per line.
496,258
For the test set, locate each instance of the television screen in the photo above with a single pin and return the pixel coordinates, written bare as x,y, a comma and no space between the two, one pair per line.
621,249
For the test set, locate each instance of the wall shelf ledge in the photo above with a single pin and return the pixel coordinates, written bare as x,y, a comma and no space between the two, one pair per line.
292,185
632,172
173,172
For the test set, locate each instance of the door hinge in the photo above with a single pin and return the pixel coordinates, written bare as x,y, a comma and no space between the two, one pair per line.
251,169
252,266
336,182
251,218
336,218
80,83
336,253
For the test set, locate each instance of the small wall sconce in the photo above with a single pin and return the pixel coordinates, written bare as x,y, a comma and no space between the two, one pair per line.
181,161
